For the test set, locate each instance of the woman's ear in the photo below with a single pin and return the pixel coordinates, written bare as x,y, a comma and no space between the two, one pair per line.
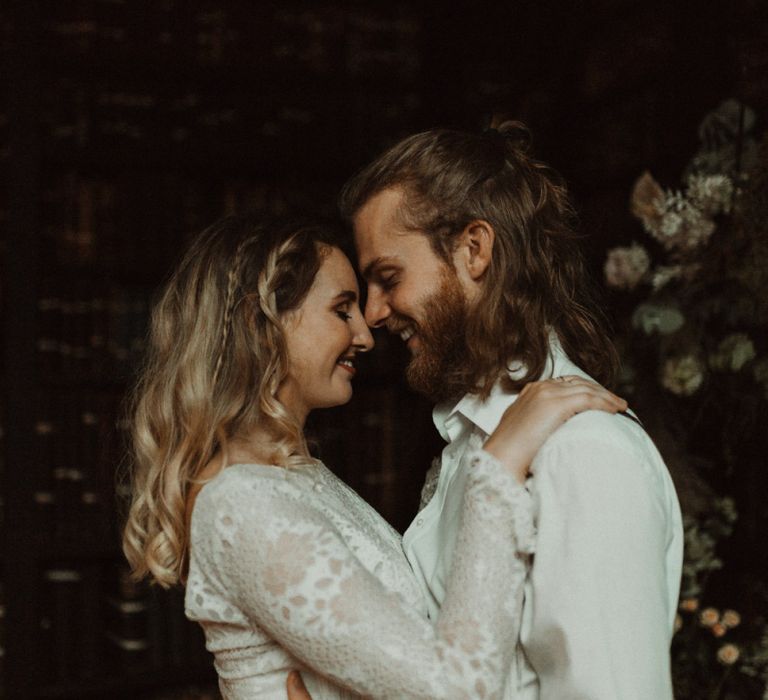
475,248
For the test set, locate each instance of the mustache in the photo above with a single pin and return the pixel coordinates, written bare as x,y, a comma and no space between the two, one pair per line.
398,324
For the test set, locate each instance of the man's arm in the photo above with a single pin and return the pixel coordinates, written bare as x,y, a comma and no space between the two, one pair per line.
600,617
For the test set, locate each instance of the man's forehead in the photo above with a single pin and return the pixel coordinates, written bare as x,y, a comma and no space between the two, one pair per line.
379,218
383,205
389,248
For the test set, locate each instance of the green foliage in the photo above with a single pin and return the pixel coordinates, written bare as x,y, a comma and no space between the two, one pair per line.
695,350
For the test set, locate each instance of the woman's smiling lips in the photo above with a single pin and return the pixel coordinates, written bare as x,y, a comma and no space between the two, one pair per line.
347,363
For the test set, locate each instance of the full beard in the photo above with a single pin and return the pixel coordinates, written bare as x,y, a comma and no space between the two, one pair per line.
435,369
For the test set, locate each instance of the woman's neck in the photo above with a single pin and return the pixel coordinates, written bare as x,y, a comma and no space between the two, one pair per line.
258,447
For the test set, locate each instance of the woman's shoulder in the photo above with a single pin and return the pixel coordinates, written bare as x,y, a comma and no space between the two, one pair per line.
238,479
250,498
246,487
245,506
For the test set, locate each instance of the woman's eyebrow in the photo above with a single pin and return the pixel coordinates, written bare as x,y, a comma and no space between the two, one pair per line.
346,295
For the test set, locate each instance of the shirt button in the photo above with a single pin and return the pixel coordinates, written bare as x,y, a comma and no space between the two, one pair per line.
420,521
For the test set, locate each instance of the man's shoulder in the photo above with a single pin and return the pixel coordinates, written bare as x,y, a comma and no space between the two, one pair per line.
600,426
596,437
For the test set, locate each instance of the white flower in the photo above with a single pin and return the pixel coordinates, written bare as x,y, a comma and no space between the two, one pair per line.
718,629
709,617
731,618
670,225
682,375
625,267
733,353
728,654
711,194
679,223
696,230
657,318
664,274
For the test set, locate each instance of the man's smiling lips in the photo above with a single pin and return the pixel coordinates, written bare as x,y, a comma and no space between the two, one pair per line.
406,331
410,337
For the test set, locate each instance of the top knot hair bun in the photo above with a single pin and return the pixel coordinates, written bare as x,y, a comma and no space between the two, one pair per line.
514,133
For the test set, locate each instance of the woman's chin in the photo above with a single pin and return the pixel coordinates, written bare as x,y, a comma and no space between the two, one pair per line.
346,398
339,398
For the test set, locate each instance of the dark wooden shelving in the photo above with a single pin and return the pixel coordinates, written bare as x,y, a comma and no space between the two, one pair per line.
118,149
128,685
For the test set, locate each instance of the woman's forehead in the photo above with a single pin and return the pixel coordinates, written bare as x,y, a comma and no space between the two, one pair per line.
335,275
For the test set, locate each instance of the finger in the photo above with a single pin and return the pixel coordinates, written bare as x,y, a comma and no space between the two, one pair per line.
569,381
568,378
565,380
586,399
600,392
296,688
562,392
569,384
575,379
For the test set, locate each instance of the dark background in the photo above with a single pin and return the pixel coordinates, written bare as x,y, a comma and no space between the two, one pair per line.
125,127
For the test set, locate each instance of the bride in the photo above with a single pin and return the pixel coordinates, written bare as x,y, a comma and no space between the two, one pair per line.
285,567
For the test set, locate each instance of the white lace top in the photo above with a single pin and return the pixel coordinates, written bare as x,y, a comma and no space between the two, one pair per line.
289,568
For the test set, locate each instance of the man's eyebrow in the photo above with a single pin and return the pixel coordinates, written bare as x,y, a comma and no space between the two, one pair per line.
346,295
370,268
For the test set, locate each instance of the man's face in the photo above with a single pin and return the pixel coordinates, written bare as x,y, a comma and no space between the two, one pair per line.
413,293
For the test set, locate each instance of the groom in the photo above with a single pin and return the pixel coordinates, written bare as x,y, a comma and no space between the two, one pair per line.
466,245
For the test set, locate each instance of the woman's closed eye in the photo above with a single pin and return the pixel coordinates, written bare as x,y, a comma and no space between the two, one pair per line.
343,312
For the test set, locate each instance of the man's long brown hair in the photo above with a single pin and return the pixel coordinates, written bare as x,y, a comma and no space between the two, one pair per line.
537,281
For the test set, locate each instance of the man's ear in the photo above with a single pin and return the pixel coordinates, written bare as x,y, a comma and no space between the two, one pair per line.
475,248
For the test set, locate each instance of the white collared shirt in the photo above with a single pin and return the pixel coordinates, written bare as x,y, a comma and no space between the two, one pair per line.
601,595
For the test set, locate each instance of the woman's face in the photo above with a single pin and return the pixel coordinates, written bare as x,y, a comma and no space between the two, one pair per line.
323,335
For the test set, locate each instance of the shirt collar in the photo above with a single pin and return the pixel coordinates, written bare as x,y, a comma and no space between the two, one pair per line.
487,414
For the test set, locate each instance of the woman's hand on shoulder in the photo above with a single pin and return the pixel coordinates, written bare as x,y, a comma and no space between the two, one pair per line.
541,408
296,688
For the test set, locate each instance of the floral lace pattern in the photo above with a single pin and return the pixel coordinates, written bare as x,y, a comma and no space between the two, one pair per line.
291,569
430,483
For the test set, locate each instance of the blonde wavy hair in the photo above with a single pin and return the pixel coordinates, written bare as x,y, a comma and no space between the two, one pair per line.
216,358
537,279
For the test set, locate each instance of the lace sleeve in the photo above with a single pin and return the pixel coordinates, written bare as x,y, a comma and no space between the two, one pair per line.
430,483
289,570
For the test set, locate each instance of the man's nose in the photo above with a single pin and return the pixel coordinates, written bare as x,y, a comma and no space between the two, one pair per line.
377,309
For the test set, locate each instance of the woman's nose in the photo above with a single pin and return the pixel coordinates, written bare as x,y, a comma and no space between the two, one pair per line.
363,340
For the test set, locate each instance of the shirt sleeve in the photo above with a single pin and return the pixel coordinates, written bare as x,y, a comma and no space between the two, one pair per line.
599,624
290,571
